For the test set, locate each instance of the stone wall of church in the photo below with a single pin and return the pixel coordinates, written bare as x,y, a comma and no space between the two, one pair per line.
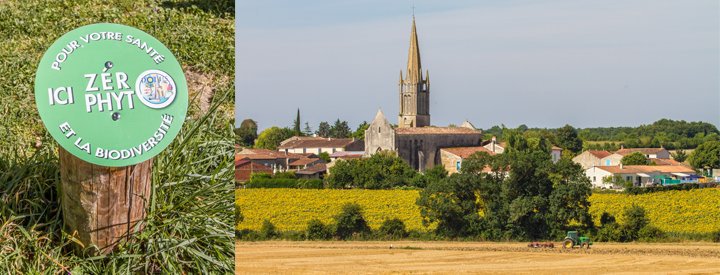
422,151
380,136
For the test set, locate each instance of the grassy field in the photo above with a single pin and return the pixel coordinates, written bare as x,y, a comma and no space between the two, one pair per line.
189,227
679,212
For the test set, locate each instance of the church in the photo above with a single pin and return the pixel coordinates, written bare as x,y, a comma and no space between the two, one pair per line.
414,139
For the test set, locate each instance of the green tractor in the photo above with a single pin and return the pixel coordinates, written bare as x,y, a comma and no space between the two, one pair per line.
572,240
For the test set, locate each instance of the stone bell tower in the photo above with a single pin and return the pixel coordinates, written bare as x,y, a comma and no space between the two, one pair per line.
414,90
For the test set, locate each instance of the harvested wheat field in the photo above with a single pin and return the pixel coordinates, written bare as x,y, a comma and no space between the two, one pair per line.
473,257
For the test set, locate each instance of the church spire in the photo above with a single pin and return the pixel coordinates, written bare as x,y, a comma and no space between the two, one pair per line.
414,70
414,90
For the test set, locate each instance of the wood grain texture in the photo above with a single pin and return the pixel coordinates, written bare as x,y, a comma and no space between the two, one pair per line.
102,205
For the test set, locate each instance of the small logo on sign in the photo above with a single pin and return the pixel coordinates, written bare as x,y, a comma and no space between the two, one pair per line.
155,89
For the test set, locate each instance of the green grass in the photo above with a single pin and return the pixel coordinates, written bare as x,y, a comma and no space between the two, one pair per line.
189,228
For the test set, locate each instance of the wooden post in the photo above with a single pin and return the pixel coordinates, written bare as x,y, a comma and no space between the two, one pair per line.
102,205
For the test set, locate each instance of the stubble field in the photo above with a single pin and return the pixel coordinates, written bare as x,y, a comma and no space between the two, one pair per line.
473,257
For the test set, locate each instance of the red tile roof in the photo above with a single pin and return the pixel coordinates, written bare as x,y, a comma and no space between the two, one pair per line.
317,168
648,151
436,131
304,161
464,152
270,154
315,142
667,162
599,154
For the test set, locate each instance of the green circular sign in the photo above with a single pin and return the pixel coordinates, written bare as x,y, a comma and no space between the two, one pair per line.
110,94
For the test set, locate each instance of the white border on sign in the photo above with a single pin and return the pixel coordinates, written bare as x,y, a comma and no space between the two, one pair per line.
142,98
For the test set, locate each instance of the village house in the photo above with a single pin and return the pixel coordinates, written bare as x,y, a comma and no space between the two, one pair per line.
555,153
499,147
591,158
317,145
650,153
493,146
252,161
639,175
452,158
316,171
244,168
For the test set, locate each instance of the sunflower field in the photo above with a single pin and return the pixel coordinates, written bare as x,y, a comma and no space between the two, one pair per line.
291,209
693,211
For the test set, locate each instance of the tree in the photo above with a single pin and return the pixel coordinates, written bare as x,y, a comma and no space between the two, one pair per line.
635,158
270,138
317,230
246,134
340,130
568,139
393,228
680,155
434,174
323,129
325,156
707,155
452,203
522,128
268,230
525,196
360,132
350,221
296,124
569,198
382,170
635,220
307,131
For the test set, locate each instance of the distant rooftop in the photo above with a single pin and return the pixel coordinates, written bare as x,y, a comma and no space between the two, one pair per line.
315,142
465,152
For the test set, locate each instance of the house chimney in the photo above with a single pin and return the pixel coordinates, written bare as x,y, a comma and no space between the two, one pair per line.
621,166
622,146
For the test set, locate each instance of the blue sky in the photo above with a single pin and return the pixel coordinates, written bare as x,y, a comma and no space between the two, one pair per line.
539,63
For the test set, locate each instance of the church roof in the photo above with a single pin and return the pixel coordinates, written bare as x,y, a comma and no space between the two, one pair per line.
435,131
414,70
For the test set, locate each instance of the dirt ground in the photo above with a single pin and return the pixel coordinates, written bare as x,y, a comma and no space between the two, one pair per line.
473,257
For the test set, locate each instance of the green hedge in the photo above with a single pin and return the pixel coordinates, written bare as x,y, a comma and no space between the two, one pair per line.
682,187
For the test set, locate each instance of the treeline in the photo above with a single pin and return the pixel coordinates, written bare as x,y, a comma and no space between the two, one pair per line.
670,134
247,133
